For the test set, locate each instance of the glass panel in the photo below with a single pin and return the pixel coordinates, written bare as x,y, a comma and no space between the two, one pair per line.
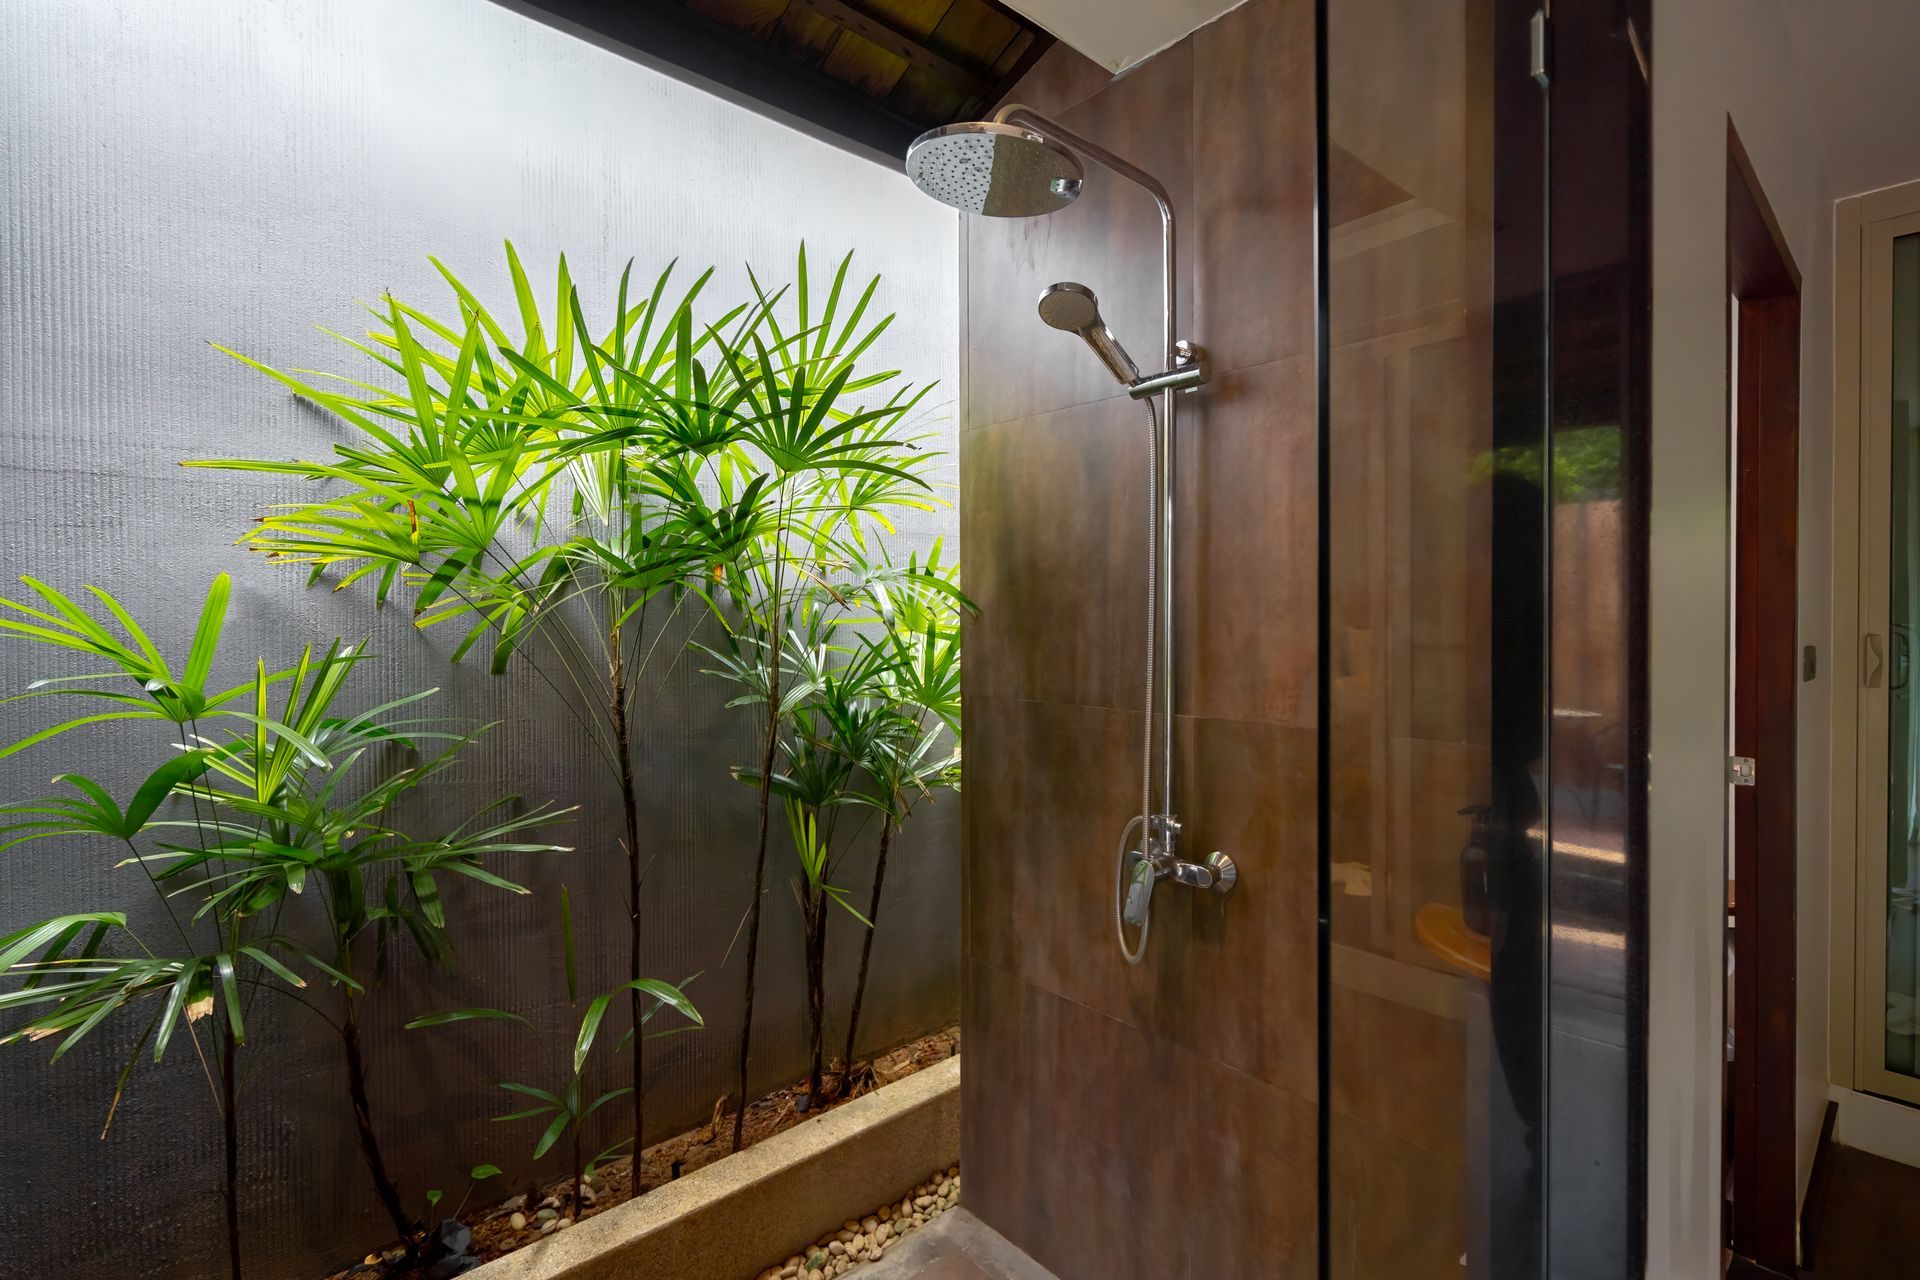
1420,1058
1903,709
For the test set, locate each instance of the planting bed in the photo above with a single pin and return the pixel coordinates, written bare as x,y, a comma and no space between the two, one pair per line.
541,1212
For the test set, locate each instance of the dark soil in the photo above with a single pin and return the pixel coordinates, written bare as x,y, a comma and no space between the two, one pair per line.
493,1231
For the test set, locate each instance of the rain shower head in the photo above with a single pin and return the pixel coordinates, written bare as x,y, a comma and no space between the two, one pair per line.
1072,308
1000,170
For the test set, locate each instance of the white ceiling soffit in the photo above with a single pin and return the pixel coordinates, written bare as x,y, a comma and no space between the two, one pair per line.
1119,33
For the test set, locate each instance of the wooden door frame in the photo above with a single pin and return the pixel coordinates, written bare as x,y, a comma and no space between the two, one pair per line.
1764,285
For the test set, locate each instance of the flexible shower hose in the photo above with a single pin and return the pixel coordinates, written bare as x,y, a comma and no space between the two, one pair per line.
1143,821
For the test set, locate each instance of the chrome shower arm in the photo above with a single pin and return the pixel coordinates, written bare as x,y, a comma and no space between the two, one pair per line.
1172,364
1020,112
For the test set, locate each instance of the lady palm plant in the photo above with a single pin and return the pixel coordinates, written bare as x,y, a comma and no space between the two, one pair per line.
836,472
848,736
540,489
567,1111
913,666
249,805
377,885
553,489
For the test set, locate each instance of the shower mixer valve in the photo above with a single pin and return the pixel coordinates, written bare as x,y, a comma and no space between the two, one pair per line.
1216,871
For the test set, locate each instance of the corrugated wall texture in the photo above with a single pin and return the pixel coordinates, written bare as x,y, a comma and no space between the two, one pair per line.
246,172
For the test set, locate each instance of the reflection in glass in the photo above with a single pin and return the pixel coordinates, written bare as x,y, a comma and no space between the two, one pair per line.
1416,1055
1903,709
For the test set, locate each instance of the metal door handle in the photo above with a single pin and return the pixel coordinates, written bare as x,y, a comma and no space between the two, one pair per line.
1874,660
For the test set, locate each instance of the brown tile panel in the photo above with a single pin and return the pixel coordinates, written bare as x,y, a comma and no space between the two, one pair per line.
1396,1210
1244,546
1402,1071
1076,1166
1253,133
1063,780
1243,967
1156,1120
1096,1149
1062,79
1052,513
997,1101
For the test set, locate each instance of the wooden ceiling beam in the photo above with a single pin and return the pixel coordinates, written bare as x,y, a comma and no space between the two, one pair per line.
1038,42
902,45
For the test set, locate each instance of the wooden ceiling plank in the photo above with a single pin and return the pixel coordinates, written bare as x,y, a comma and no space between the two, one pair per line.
864,65
976,31
756,16
1038,42
915,18
900,44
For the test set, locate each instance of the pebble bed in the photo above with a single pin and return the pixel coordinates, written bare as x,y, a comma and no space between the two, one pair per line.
870,1237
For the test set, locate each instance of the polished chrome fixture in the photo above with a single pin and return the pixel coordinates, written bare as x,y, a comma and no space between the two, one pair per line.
1072,308
1020,164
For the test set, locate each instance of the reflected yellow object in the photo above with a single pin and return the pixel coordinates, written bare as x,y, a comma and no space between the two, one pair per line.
1443,931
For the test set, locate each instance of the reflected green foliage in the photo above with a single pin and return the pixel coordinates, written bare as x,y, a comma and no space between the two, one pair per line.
1586,464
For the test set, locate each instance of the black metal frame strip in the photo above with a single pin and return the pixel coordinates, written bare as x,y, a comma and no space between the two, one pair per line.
1323,631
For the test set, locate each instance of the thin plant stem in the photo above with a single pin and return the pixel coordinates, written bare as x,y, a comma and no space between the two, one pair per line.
765,799
866,949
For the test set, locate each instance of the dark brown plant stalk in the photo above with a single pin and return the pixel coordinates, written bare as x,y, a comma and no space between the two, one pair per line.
630,813
369,1141
759,876
230,1127
579,1174
866,950
816,938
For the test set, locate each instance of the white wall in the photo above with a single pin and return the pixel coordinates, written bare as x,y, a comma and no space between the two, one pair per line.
1713,59
246,171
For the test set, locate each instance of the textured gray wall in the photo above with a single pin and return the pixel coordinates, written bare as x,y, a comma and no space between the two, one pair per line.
243,172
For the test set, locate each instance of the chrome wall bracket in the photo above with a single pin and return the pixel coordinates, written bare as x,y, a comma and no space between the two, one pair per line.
1191,371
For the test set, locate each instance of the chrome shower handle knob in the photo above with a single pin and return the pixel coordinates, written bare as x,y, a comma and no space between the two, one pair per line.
1226,876
1215,872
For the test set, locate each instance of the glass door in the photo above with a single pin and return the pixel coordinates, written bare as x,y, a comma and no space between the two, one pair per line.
1486,280
1888,1034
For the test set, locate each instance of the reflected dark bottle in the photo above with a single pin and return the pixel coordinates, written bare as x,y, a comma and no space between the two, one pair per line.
1476,857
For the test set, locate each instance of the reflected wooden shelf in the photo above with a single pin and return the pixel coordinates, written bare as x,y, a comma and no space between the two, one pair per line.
1443,930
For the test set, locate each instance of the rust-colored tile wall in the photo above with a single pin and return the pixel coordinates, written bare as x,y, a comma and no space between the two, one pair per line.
1159,1120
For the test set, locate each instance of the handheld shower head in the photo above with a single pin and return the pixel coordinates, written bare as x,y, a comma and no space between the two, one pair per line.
1072,308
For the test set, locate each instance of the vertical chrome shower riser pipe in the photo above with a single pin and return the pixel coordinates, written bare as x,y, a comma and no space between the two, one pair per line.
1018,113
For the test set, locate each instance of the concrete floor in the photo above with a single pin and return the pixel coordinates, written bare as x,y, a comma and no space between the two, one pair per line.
954,1246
